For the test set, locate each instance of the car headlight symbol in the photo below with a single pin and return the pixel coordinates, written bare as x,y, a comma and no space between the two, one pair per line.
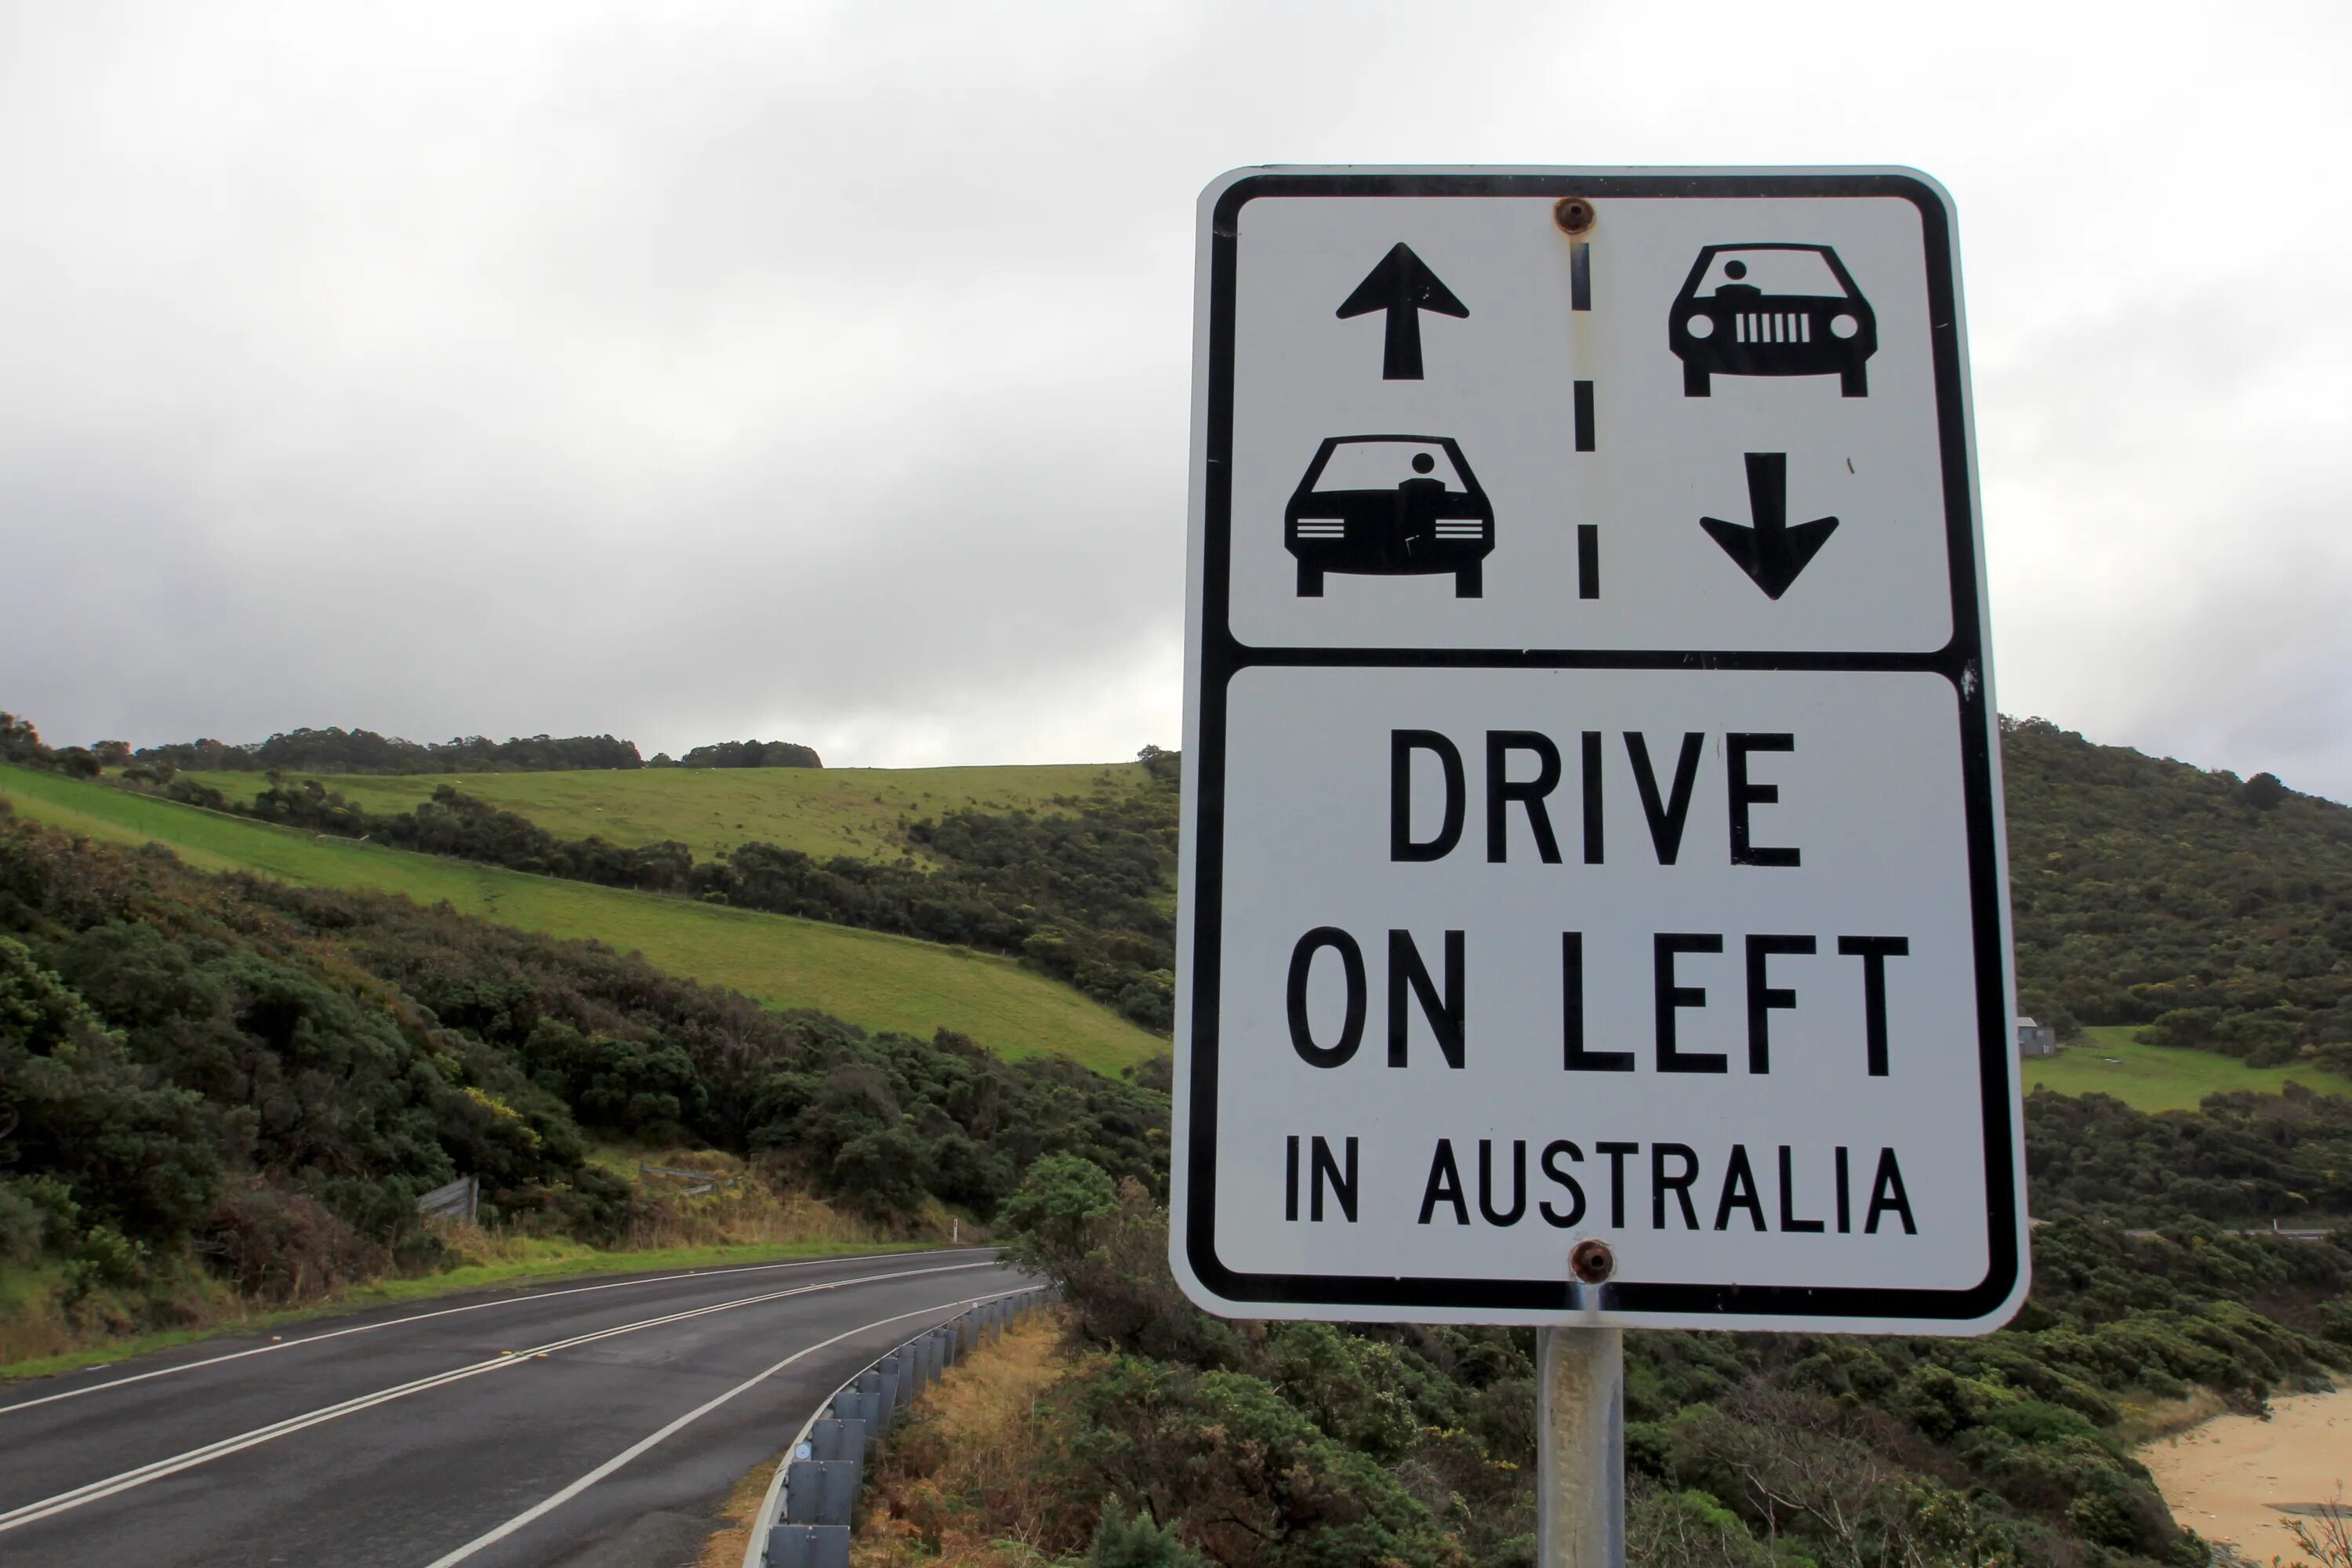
1845,326
1699,326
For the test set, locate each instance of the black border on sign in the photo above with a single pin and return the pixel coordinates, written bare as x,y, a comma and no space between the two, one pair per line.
1961,661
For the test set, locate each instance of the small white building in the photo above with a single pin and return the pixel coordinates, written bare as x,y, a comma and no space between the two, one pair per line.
2036,1039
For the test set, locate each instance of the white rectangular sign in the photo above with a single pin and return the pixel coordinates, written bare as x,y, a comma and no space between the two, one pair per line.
1592,825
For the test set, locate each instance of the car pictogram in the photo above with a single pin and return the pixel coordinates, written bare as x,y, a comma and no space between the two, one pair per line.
1772,309
1388,506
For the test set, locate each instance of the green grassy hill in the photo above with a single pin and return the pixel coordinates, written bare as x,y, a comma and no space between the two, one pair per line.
879,982
2107,1061
821,812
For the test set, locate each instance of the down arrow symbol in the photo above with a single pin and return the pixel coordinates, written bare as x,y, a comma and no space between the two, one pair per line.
1775,551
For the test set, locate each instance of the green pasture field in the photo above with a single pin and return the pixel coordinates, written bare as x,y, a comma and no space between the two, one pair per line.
875,981
2161,1077
822,812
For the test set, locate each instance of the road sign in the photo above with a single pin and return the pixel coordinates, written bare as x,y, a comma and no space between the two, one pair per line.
1593,896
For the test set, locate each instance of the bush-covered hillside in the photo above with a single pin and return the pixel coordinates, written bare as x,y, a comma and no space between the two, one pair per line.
2148,891
2216,910
256,1081
2241,1159
1078,893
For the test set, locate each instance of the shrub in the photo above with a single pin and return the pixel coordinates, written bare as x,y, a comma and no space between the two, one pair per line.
1259,1484
1121,1542
104,1258
1687,1529
283,1246
36,1216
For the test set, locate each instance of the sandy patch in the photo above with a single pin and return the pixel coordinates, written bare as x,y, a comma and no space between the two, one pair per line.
2221,1477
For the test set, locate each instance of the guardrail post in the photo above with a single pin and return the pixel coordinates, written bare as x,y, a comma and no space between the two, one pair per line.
837,1440
896,1396
808,1546
821,1491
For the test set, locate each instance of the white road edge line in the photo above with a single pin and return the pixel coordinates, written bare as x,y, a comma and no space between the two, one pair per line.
541,1509
443,1312
93,1491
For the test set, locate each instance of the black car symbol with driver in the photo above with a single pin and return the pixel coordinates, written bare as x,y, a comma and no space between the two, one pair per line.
1772,309
1388,506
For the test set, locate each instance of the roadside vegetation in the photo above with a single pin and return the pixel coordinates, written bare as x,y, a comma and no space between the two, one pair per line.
40,1337
222,1093
968,1474
1258,1445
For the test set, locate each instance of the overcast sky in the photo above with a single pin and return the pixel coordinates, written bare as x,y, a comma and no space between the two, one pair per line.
821,371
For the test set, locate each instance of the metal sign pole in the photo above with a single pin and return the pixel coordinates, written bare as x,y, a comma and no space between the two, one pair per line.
1581,1447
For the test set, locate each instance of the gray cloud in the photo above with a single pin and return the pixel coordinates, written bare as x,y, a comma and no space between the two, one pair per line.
822,370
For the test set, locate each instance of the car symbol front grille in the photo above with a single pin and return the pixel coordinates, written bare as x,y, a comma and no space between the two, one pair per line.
1773,327
1322,530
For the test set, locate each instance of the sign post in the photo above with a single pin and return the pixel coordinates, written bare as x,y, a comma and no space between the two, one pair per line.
1581,1447
1593,903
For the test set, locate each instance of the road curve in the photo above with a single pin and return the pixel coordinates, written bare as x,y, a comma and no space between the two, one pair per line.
595,1424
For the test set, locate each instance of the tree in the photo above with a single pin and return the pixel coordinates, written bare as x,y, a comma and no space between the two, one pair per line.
20,742
1121,1542
2263,791
1058,1198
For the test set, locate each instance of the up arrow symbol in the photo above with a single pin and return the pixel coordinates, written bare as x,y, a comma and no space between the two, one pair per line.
1775,551
1404,286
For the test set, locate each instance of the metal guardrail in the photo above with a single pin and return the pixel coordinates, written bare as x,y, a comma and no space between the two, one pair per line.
805,1520
460,1199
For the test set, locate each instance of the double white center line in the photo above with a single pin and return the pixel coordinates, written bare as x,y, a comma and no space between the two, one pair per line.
93,1491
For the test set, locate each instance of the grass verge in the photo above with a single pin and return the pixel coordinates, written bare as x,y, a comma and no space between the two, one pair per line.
875,981
954,1482
960,1480
2107,1060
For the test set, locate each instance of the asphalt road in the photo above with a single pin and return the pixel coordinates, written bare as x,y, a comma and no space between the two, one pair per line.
592,1425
